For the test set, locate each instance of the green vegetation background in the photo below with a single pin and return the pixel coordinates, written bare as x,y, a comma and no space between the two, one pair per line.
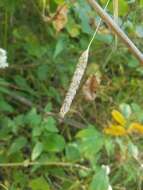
42,59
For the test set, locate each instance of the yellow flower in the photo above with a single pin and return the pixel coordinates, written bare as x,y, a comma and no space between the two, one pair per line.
119,118
115,130
120,128
135,127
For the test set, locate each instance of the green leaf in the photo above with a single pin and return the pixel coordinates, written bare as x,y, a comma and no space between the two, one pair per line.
59,1
37,150
42,72
133,150
33,118
35,49
133,62
90,142
72,152
50,124
60,45
123,7
53,143
73,28
83,10
100,181
20,178
37,131
106,38
87,133
17,145
39,183
22,83
48,107
4,106
125,109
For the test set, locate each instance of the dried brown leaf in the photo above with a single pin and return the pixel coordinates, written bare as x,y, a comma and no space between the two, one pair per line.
90,87
60,19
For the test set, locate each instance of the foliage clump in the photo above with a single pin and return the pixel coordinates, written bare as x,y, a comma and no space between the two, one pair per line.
43,40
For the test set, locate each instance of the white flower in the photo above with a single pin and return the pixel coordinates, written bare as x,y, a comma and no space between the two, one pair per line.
3,58
109,187
107,169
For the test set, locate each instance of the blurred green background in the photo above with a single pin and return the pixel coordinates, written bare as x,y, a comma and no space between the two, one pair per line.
44,40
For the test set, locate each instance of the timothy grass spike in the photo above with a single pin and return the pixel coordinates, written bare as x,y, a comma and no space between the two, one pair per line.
78,74
80,68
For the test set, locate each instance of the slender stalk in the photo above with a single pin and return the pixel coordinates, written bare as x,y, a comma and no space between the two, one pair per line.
97,28
116,10
44,8
3,186
27,163
118,31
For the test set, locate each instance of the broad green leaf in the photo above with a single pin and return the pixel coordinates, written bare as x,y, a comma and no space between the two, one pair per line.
32,118
49,124
17,145
42,72
100,181
53,143
5,106
90,142
72,152
88,132
39,183
37,131
37,150
133,62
